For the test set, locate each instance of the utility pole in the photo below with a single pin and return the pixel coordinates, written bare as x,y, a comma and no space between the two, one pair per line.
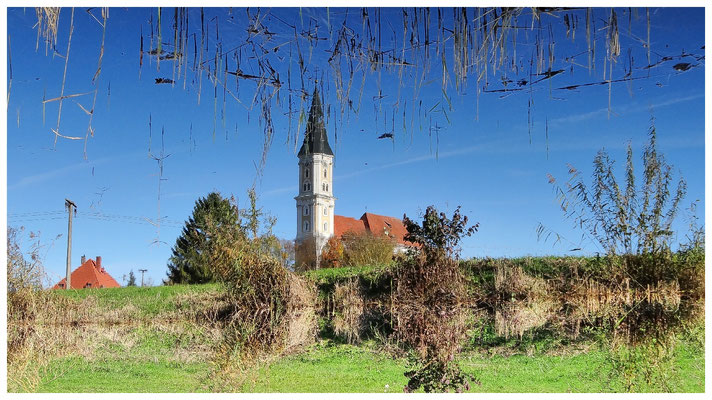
142,271
70,206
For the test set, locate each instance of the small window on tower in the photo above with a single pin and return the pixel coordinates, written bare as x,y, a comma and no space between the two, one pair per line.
327,187
324,173
325,213
306,172
323,186
306,226
324,226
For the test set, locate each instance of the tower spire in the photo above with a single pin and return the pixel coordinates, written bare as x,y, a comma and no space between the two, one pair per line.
315,138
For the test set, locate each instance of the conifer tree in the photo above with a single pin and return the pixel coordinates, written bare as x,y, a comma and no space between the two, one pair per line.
189,263
132,279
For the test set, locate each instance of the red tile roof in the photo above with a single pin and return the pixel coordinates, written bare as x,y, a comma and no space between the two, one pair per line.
346,224
373,223
89,275
380,224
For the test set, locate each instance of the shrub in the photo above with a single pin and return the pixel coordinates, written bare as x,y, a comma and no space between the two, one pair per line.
429,301
332,256
634,220
367,249
271,309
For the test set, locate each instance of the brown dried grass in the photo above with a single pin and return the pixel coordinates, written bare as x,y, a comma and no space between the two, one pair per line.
348,311
526,302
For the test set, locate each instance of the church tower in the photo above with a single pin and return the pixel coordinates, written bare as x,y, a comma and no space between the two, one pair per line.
315,201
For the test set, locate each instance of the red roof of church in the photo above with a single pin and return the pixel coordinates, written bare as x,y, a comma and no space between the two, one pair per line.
91,274
373,223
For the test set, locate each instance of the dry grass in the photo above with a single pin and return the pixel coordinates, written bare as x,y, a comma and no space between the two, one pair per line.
45,325
526,302
348,310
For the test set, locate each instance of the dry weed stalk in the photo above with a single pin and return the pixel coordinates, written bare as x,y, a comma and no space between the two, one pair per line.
348,310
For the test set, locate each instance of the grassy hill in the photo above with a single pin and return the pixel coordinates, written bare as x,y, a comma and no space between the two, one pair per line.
169,338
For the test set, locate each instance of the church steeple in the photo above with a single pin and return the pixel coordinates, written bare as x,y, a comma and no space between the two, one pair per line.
315,138
315,200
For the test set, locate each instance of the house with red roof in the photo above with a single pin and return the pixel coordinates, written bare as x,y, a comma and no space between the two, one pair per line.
91,274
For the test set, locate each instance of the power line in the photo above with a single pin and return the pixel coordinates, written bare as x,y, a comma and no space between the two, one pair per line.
48,216
35,213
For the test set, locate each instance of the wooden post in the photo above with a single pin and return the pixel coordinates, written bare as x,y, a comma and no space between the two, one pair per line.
70,207
142,271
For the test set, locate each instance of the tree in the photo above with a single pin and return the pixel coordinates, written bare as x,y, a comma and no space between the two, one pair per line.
624,220
23,272
189,263
132,279
332,255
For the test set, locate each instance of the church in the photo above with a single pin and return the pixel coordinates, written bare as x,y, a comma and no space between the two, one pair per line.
316,219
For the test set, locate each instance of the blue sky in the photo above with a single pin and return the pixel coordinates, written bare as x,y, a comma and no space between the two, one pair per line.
483,158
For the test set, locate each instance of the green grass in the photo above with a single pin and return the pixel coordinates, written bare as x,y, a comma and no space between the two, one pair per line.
346,368
150,301
329,275
330,369
76,374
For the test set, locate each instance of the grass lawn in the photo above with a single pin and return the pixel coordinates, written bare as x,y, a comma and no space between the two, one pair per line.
344,368
330,369
75,374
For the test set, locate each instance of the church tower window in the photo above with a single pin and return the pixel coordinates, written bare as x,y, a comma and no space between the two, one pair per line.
306,226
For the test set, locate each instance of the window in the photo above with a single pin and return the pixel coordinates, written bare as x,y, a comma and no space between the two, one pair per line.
325,212
306,172
307,187
327,187
324,226
324,172
306,210
323,186
306,226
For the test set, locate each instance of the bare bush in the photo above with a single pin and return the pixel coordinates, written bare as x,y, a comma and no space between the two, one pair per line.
271,309
429,301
